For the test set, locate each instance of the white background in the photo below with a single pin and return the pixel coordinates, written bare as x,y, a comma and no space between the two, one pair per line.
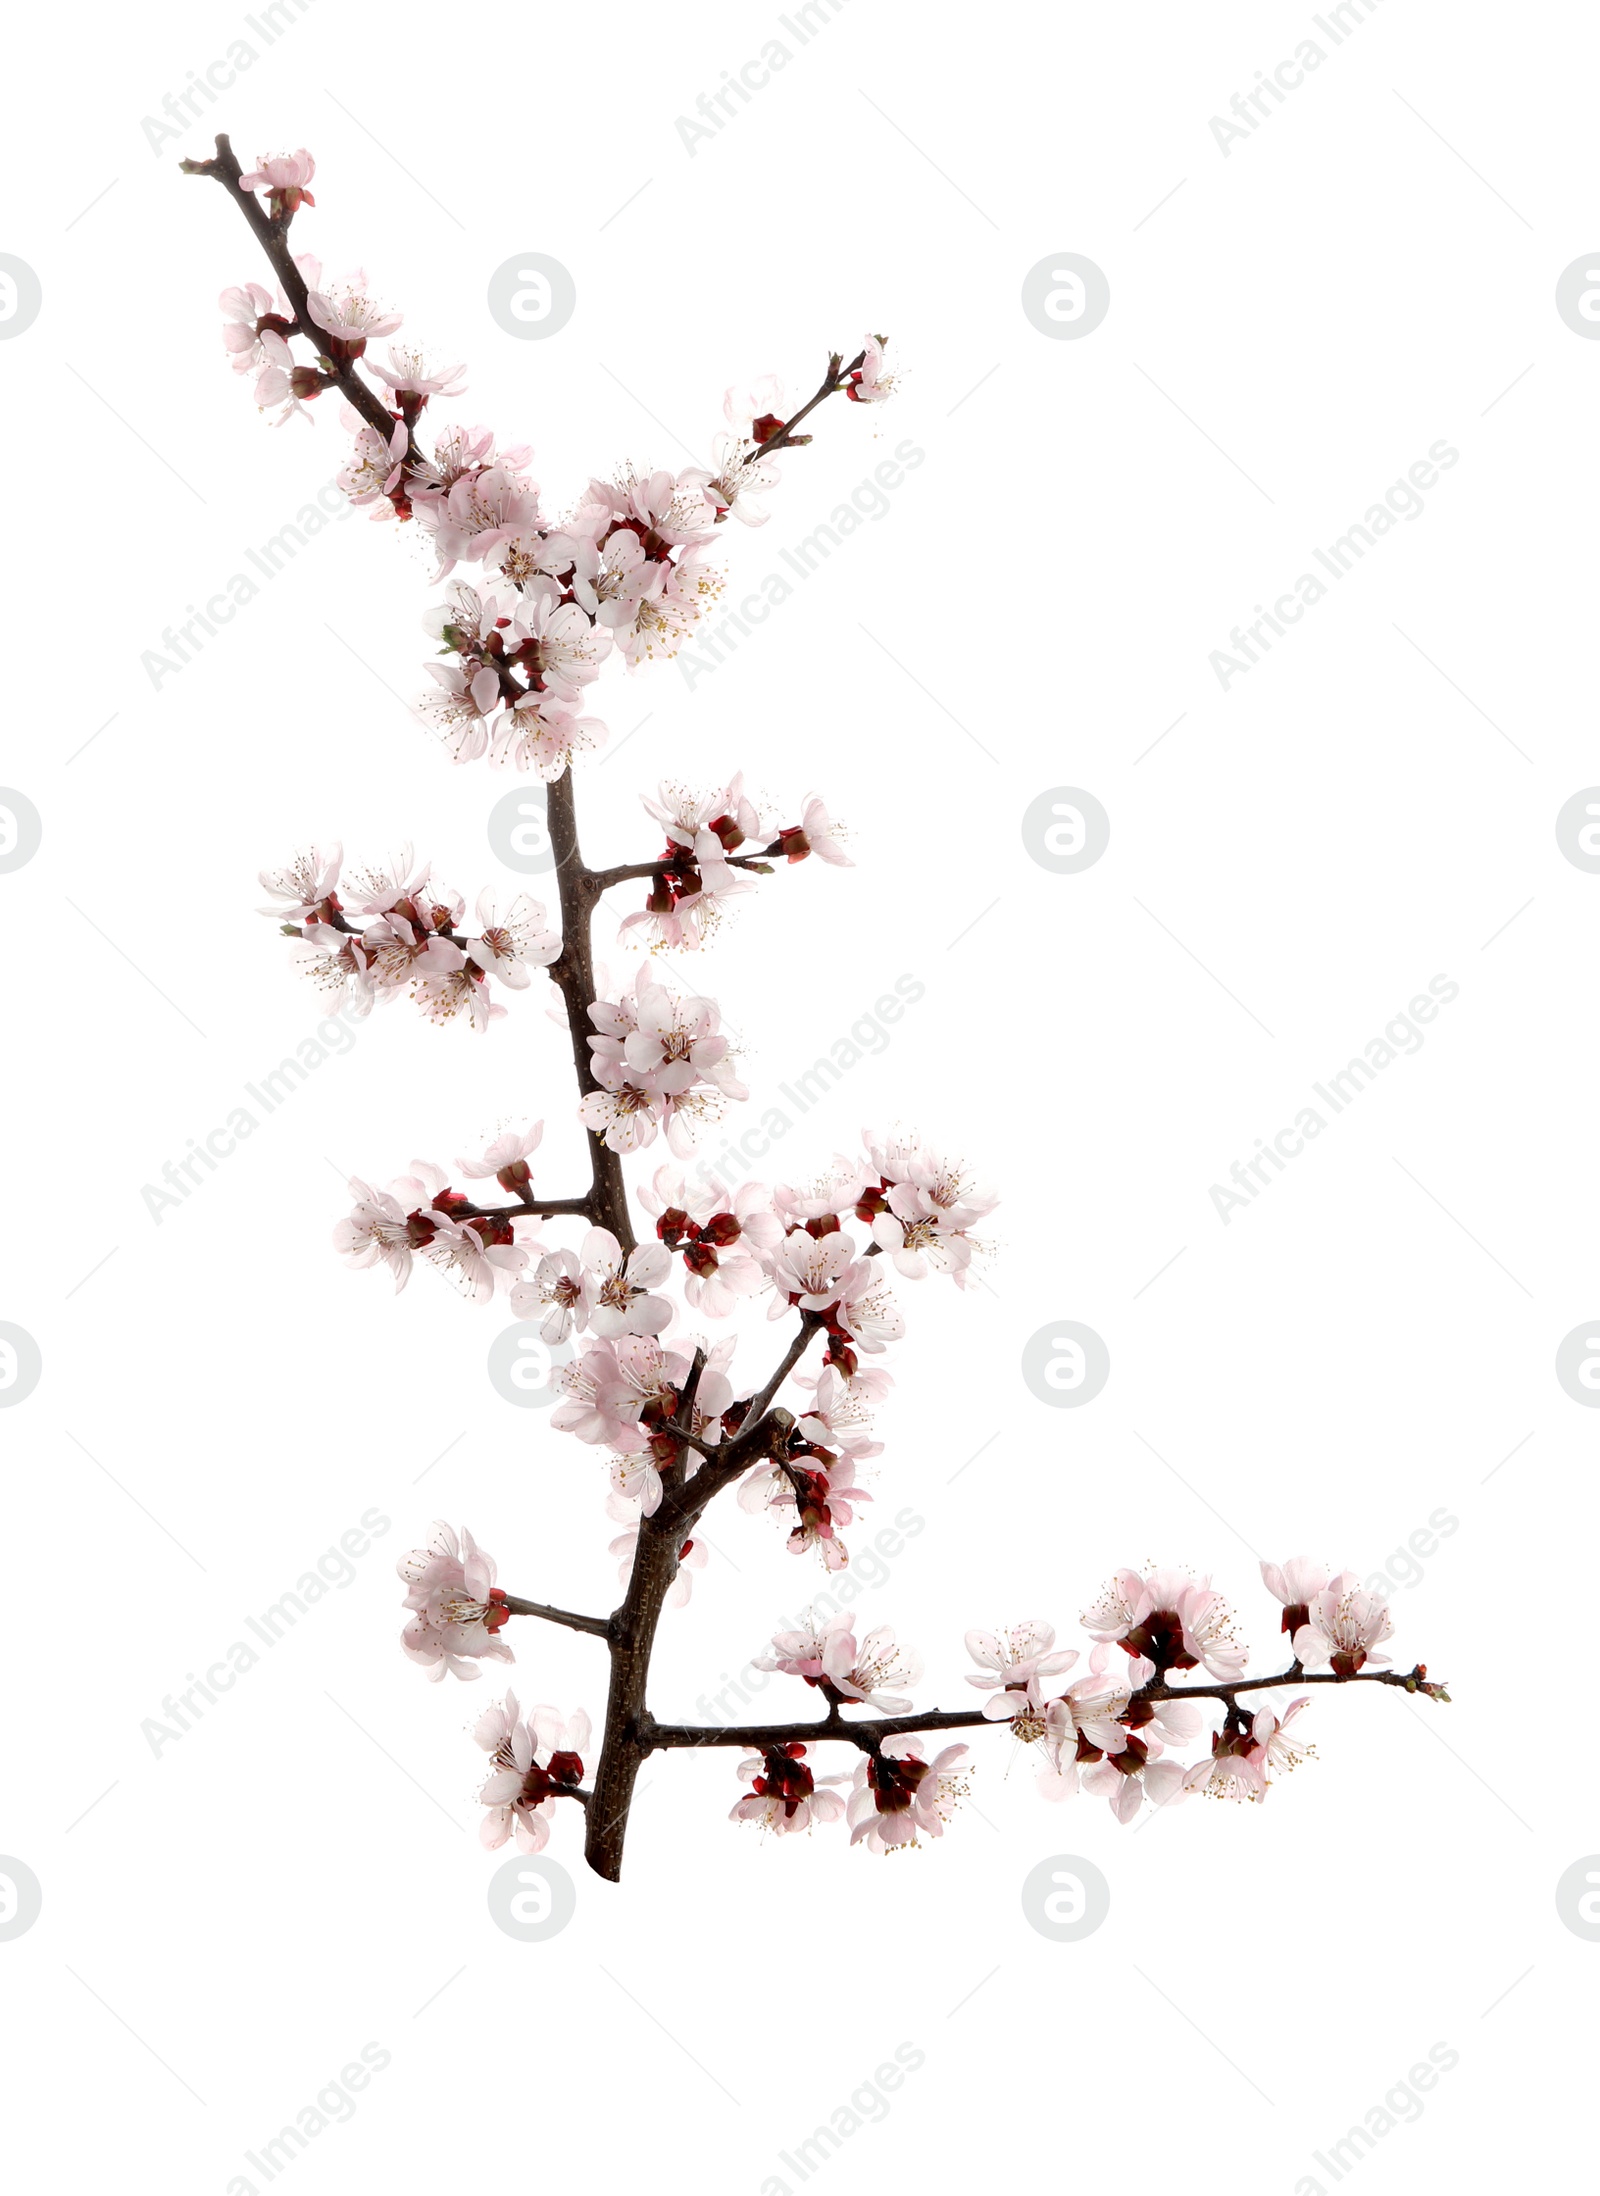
1370,1342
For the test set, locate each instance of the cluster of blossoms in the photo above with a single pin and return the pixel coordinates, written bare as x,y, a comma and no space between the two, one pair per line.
534,1761
628,571
419,1214
895,1793
396,929
702,867
625,570
403,932
1111,1732
661,1063
457,1610
1115,1731
535,605
623,1390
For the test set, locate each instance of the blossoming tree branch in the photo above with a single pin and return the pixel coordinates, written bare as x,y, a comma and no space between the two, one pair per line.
626,572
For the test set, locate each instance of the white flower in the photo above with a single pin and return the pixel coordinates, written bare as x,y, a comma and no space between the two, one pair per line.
618,1286
514,939
1347,1626
861,1672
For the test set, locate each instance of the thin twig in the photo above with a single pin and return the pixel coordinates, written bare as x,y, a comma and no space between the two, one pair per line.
599,1626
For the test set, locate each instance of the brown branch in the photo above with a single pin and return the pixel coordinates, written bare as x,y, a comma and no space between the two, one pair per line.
539,1208
572,972
870,1732
599,1626
604,879
630,1630
272,233
832,381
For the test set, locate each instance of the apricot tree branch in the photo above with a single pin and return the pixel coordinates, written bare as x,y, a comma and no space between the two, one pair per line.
272,234
869,1732
599,1626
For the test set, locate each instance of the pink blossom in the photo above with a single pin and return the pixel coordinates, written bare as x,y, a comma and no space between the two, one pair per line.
708,825
335,962
599,1404
562,1289
253,348
740,477
610,1386
675,1043
1129,1778
672,506
1346,1626
618,1290
840,1416
411,373
378,890
900,1793
542,733
804,1653
533,1763
924,1206
709,1230
374,467
1081,1724
623,1117
514,938
868,1312
1285,1749
659,1059
476,1268
817,834
668,613
458,1610
506,1159
400,952
784,1794
689,891
861,1672
349,314
471,499
556,639
376,1232
465,707
459,993
1243,1757
820,1488
636,1477
870,384
838,1191
522,552
613,580
284,177
813,1271
305,888
756,409
1296,1584
1013,1665
1173,1620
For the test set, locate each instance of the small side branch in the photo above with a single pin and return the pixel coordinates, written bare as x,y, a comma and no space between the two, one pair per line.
538,1208
869,1732
833,381
601,880
600,1627
762,1428
272,233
